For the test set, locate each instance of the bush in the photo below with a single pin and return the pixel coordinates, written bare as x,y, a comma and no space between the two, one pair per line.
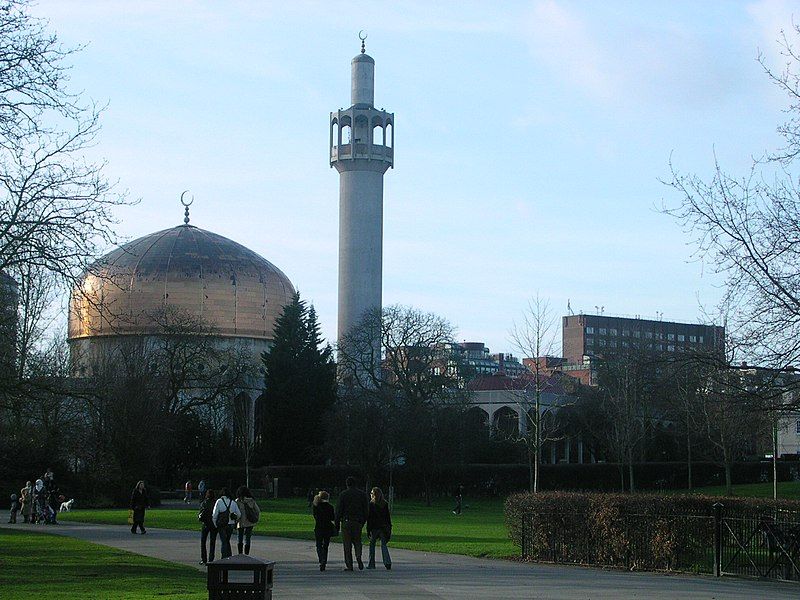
635,531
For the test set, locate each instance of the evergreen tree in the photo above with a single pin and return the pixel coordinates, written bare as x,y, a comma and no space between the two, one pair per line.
299,380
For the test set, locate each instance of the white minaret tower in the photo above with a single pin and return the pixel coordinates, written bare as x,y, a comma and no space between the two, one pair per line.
362,149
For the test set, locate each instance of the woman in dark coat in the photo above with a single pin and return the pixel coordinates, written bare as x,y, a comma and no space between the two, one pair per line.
209,531
379,527
139,503
324,528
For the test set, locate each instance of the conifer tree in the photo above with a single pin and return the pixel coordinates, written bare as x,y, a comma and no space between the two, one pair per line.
299,380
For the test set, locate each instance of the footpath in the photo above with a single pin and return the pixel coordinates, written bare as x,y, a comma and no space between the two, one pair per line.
423,575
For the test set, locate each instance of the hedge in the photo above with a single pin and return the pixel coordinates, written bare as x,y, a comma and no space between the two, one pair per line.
634,531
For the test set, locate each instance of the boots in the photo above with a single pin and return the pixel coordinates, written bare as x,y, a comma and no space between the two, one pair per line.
239,546
247,548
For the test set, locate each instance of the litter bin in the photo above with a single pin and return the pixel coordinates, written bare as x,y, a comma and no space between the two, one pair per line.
240,576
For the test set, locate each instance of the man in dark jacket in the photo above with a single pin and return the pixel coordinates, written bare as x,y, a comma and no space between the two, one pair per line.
351,514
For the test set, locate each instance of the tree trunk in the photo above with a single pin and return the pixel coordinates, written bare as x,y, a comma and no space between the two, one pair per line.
630,470
537,439
689,457
728,468
531,469
775,460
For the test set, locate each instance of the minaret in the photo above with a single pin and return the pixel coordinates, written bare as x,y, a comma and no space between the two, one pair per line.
362,149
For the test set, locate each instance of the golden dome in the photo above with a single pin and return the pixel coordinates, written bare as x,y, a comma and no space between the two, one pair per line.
231,289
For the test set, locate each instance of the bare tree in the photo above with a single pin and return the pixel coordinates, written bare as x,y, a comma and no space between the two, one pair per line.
55,207
535,337
414,382
748,229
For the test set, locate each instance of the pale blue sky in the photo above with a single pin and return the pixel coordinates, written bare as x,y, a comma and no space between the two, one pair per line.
530,138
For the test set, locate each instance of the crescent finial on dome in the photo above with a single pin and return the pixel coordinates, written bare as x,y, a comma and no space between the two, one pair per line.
186,206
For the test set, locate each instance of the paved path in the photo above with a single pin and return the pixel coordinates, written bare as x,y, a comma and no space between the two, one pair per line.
422,575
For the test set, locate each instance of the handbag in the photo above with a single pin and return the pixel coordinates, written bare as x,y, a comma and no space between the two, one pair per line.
130,516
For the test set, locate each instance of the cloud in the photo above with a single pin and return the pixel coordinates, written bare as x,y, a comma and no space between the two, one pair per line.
771,17
624,62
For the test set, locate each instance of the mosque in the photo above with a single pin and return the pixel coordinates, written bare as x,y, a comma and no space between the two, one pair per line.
234,292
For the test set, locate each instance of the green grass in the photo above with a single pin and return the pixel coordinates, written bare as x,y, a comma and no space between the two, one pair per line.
479,531
35,565
787,490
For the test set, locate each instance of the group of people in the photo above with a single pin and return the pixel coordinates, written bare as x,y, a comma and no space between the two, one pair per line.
37,502
220,515
353,511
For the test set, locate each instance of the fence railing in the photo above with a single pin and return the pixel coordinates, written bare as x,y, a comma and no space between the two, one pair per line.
757,544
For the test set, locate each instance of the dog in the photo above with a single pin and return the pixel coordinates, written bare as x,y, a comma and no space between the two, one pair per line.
67,506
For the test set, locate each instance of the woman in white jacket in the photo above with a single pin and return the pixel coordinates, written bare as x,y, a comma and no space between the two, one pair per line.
250,512
226,514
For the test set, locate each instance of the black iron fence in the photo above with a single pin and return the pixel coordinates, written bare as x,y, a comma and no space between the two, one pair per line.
763,543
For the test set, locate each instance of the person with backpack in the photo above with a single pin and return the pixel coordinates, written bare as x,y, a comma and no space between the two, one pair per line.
250,511
226,513
209,531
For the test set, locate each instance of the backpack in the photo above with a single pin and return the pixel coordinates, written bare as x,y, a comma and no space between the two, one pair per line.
250,512
224,516
204,516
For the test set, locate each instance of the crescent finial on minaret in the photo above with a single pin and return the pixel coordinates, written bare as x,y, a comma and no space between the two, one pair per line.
186,206
362,35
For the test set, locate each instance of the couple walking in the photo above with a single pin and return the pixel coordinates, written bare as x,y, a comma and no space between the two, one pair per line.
353,510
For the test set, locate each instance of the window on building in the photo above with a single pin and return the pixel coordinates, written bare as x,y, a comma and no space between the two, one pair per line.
602,342
670,348
612,344
661,347
590,341
626,333
659,336
589,329
612,331
648,335
637,334
797,427
693,338
625,344
700,339
681,337
671,337
603,331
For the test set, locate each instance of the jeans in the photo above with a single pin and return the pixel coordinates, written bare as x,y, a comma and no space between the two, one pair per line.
383,535
225,539
245,533
323,539
138,520
351,536
211,534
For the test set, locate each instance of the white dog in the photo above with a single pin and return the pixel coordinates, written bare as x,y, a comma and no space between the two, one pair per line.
67,506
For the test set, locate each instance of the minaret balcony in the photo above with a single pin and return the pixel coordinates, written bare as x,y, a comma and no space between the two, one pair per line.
361,150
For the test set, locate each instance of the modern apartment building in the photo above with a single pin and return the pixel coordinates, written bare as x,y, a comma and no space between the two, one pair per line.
587,336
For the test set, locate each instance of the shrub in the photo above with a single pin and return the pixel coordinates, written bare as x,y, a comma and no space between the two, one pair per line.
639,531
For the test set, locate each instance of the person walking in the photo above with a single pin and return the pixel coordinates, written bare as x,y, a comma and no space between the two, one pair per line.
187,492
226,513
201,488
40,500
250,514
459,496
26,502
139,504
379,527
14,509
209,530
351,514
324,528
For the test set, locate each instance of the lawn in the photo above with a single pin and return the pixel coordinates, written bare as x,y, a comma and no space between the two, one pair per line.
35,565
787,490
479,531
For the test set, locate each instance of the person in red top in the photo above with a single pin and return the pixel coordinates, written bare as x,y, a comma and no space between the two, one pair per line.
188,489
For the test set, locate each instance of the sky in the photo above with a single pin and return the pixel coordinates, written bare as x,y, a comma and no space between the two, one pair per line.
531,145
